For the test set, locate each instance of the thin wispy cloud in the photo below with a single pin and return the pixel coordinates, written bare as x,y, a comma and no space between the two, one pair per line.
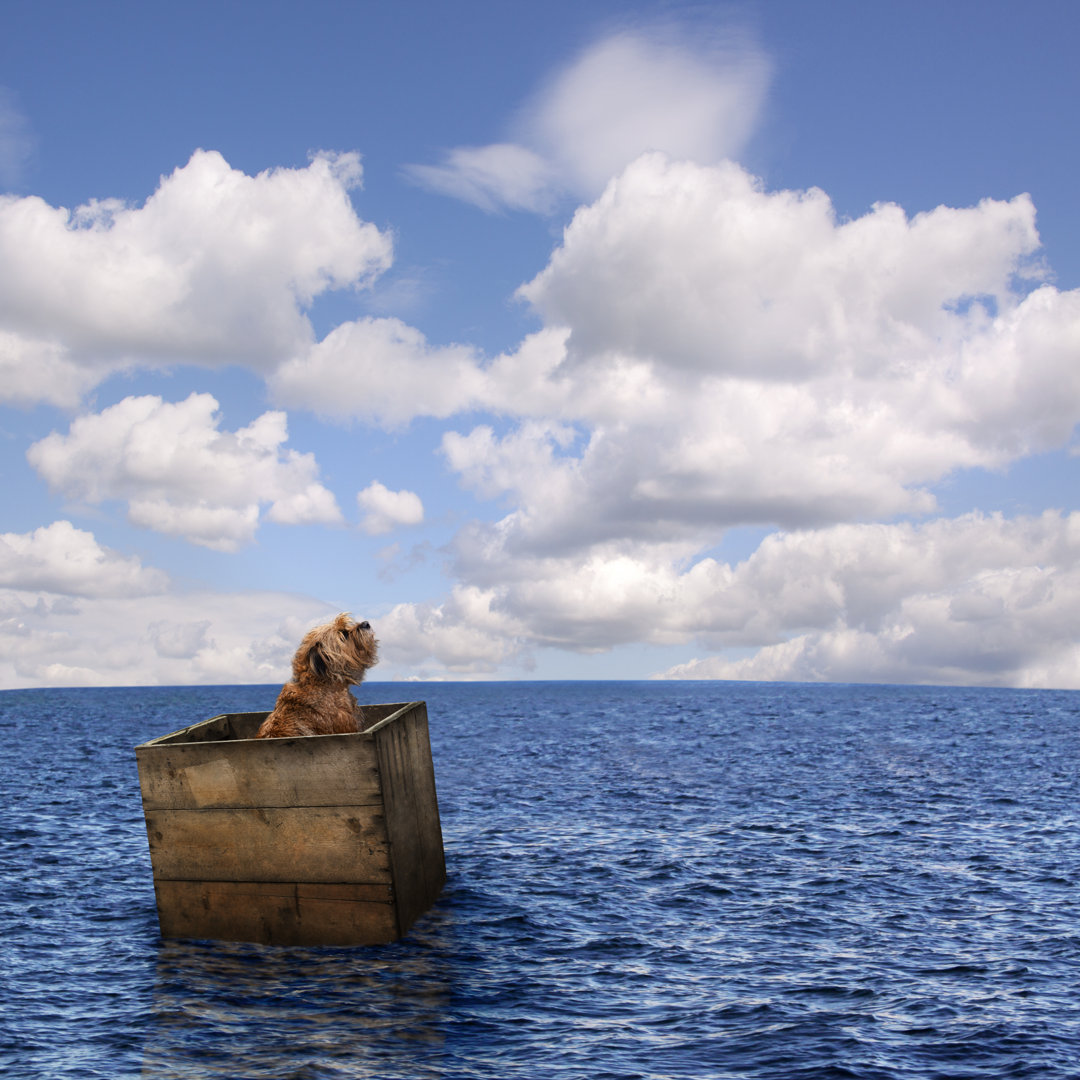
628,93
17,140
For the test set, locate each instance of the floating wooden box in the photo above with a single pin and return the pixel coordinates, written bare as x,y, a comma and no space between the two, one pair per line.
324,840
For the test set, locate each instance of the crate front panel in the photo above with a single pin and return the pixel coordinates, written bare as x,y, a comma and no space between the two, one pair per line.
313,843
277,913
322,770
289,841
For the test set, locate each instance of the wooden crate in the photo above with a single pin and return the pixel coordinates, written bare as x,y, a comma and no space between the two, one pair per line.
324,840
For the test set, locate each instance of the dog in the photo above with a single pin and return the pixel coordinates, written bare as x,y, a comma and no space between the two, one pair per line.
317,701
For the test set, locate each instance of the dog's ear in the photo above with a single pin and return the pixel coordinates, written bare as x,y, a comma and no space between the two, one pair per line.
317,662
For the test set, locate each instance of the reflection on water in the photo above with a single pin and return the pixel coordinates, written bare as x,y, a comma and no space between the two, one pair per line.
233,1010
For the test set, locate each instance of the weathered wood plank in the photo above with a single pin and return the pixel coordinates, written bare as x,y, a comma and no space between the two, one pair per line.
326,770
225,726
428,824
382,713
277,914
312,844
412,813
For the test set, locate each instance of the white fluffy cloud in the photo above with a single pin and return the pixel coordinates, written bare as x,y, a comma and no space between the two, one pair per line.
73,612
180,474
384,510
702,269
62,559
718,355
463,635
695,98
712,354
33,370
161,639
977,599
715,355
381,371
215,267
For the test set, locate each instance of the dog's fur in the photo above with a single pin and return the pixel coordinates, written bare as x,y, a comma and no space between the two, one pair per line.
318,701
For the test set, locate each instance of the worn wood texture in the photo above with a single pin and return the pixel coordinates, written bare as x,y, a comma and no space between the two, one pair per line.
325,770
311,843
217,728
277,913
380,714
331,839
411,809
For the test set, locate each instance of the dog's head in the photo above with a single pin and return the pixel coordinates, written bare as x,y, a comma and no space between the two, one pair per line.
338,651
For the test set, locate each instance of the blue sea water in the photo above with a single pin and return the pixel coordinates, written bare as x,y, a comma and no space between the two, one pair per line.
646,880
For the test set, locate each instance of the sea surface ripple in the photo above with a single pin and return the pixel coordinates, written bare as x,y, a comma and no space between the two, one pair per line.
646,880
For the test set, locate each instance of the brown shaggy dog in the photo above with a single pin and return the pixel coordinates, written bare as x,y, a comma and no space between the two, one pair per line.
318,700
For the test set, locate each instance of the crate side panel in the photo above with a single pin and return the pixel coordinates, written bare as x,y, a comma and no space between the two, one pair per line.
246,725
376,713
276,913
314,844
412,814
330,770
430,825
225,726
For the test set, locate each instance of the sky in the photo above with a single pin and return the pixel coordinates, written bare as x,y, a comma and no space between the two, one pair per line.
582,340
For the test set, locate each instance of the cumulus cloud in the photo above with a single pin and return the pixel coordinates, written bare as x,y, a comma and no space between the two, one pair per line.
382,371
215,267
725,355
180,641
33,371
385,510
702,269
694,97
60,558
181,474
75,613
716,354
978,599
166,638
463,635
712,354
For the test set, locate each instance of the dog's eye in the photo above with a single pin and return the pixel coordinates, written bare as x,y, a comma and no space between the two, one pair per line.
344,633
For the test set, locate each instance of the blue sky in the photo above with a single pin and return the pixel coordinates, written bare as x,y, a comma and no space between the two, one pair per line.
583,340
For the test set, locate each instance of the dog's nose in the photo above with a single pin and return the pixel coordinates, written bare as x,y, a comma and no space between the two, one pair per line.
365,626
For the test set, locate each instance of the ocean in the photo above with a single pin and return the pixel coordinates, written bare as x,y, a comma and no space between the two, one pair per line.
646,880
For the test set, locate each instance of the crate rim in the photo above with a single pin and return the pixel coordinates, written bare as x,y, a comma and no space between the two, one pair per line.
400,707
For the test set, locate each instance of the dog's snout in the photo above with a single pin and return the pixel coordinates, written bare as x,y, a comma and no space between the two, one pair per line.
365,626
